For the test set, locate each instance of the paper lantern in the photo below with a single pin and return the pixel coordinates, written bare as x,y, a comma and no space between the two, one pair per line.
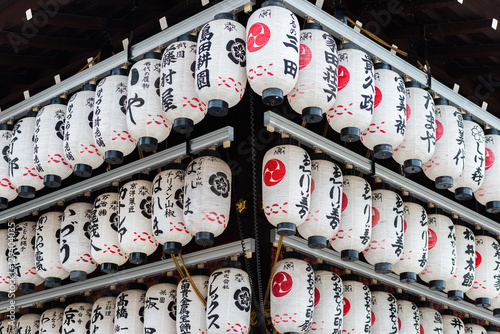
207,197
191,316
487,273
75,239
135,228
22,172
103,313
77,316
52,319
323,219
357,313
111,134
161,305
145,118
387,242
104,237
8,326
292,294
489,192
356,217
495,306
353,109
491,329
7,191
179,98
420,137
168,209
384,311
48,146
47,258
30,322
129,313
26,273
471,326
229,300
408,315
286,186
7,282
451,323
430,319
415,250
272,51
316,88
328,301
442,254
220,63
447,163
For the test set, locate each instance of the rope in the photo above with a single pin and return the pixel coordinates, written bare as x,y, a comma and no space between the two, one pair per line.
181,273
195,288
95,59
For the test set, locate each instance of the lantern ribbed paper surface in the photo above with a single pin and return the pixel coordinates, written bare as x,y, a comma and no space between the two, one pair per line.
146,120
104,237
207,197
292,294
357,306
387,242
7,282
220,64
26,274
353,108
7,190
384,311
30,322
420,136
168,209
273,42
430,319
129,313
75,240
316,88
323,220
471,326
408,316
103,313
48,146
77,316
111,135
22,172
191,316
356,218
51,321
8,326
179,98
447,163
489,192
451,323
161,306
286,186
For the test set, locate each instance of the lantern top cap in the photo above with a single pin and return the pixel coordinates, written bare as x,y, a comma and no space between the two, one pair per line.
288,141
424,303
140,176
468,320
348,45
137,286
321,156
112,292
84,199
119,71
113,188
209,153
412,84
6,126
199,272
59,100
59,304
152,55
36,310
401,296
446,311
381,185
441,101
322,266
491,131
350,277
466,117
59,207
174,165
231,264
292,255
313,25
226,16
377,287
89,86
84,299
167,279
382,66
276,3
187,38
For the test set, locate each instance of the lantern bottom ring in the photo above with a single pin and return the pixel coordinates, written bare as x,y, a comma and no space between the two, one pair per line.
147,144
437,285
312,115
172,247
272,97
109,268
444,182
27,287
316,242
52,181
496,312
408,277
382,151
138,258
113,157
463,193
52,282
349,255
383,267
183,125
26,192
82,170
412,166
286,229
218,108
4,295
350,134
455,295
483,302
204,239
493,207
4,202
78,275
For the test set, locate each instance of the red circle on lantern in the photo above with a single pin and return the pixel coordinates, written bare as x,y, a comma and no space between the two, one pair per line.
305,56
405,225
399,324
313,185
316,296
274,172
344,77
375,216
282,284
421,329
258,36
373,318
479,259
489,158
347,306
408,111
378,97
344,201
432,239
439,130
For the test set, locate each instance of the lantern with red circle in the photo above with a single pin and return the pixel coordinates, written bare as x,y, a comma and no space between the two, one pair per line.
430,319
316,88
191,312
292,294
52,319
471,326
220,64
420,138
387,242
447,162
353,109
355,229
77,316
442,255
111,135
451,323
103,313
323,219
48,143
7,190
26,274
273,42
30,322
384,311
408,316
145,118
160,306
129,310
357,314
489,192
7,282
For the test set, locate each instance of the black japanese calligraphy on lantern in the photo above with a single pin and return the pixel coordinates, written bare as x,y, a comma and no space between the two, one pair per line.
184,324
212,314
367,102
430,133
399,226
304,185
290,67
330,75
310,303
237,51
135,102
219,184
204,56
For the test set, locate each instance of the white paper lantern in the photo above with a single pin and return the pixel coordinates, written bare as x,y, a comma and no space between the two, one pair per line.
111,134
356,217
489,192
495,306
471,326
22,172
47,258
451,323
292,294
26,274
103,313
77,316
8,326
387,239
447,163
52,319
430,319
220,64
168,209
104,238
408,315
487,274
286,186
442,261
30,322
272,51
146,120
353,110
207,197
384,311
328,301
316,88
7,190
357,313
48,149
75,239
135,228
129,312
420,137
191,316
323,219
7,280
414,257
161,305
179,98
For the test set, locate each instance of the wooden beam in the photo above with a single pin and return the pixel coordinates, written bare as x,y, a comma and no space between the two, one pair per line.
49,42
446,29
475,51
80,21
16,78
474,71
15,60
